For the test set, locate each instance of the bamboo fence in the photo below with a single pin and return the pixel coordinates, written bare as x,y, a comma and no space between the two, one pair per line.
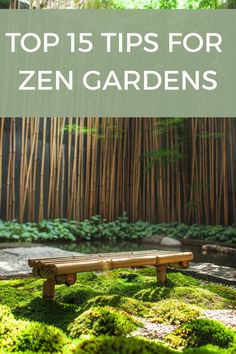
79,167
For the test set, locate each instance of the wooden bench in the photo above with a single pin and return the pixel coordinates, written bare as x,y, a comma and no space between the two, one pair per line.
62,270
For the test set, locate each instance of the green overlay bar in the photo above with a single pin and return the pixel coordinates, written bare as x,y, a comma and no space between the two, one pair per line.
127,63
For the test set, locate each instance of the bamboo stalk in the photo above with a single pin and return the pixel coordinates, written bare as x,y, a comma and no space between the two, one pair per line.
37,125
29,170
60,149
1,157
62,182
41,200
225,177
8,209
13,207
231,144
52,163
69,169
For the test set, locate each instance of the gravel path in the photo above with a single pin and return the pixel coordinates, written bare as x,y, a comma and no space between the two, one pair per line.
227,317
212,272
160,330
153,330
14,261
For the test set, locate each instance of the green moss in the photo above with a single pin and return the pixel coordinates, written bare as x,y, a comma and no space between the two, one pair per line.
148,271
125,292
116,284
179,279
202,297
131,306
5,313
15,292
200,332
87,277
121,345
153,294
9,328
49,312
173,312
128,276
75,295
40,338
18,335
102,320
209,349
222,290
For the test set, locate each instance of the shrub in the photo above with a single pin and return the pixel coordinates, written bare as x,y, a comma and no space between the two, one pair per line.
200,332
173,312
102,320
97,228
71,230
121,345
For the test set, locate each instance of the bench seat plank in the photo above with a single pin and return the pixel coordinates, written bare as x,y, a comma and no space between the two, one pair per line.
54,260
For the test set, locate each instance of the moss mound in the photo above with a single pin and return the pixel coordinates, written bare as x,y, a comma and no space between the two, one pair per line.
202,297
121,345
153,294
9,328
222,290
40,338
127,304
209,349
102,304
179,279
102,321
200,332
173,312
75,296
5,313
18,335
49,312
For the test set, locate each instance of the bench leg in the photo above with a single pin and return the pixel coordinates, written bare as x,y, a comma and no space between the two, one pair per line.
161,274
49,289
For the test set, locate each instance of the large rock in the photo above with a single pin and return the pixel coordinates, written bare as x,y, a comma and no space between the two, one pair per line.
170,242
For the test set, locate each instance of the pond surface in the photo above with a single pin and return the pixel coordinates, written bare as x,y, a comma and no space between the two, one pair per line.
105,246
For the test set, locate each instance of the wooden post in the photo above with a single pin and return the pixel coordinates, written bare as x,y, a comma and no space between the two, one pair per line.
161,273
49,289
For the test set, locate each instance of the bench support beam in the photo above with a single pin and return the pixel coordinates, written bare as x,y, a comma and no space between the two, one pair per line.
49,289
161,273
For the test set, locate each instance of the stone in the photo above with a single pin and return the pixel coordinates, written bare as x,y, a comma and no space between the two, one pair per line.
218,248
154,239
170,242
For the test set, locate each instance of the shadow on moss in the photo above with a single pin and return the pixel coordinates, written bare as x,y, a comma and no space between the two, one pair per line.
121,345
48,312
